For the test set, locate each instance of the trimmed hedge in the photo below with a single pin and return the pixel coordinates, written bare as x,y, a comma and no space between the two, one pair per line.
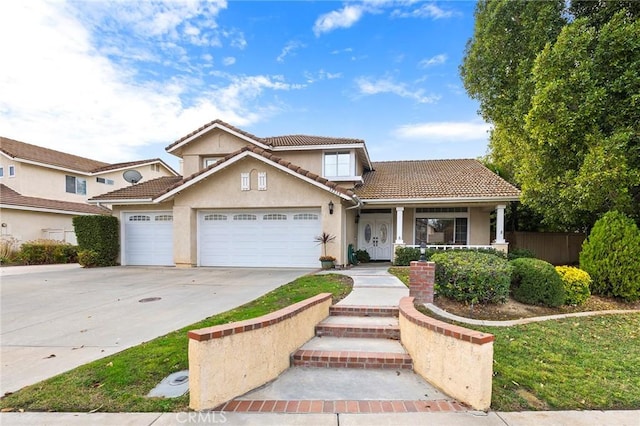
99,234
576,284
47,252
520,253
610,255
472,277
405,255
536,282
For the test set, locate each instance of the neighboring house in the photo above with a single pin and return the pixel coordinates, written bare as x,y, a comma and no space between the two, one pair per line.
251,201
43,189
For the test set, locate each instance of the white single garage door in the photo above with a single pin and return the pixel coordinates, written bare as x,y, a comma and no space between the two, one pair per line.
259,238
148,238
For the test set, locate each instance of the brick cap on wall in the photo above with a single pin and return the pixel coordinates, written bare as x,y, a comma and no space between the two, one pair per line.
408,310
219,331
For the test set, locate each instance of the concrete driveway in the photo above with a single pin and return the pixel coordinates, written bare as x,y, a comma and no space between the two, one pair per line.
55,318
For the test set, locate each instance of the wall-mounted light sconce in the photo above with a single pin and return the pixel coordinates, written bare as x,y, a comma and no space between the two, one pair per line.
330,207
357,217
4,225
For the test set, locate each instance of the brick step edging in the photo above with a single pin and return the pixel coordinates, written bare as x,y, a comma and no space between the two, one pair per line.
340,406
363,311
351,330
351,359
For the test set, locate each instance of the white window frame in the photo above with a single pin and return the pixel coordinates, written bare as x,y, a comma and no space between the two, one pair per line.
262,181
1,172
12,171
335,173
207,161
77,187
448,215
245,182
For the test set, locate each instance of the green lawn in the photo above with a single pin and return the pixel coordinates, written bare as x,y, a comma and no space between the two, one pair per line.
586,363
120,382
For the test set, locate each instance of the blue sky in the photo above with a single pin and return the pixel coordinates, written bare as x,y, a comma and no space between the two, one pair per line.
120,81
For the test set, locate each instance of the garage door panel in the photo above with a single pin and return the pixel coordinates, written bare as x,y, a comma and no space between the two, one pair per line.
148,238
274,238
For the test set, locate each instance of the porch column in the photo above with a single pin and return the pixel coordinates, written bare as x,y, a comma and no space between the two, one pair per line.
399,220
500,224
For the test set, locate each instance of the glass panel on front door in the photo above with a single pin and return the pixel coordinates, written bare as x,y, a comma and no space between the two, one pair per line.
367,233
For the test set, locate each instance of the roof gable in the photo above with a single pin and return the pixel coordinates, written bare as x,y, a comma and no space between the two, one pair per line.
216,124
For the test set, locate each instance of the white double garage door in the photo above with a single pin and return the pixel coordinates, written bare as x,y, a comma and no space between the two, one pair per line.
257,238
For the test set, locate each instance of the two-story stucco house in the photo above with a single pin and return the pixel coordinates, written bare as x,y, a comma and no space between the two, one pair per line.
41,189
245,200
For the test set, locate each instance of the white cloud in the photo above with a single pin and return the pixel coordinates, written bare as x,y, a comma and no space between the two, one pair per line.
60,91
369,86
321,75
426,10
435,60
343,18
444,131
289,48
229,60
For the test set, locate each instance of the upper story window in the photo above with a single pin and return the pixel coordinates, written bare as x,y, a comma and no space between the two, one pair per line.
76,185
105,181
155,167
1,172
12,171
338,164
206,162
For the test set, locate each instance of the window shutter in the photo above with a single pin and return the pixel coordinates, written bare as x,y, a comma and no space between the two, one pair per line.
262,181
245,184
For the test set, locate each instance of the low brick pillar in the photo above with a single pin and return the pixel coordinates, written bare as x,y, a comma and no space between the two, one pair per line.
422,275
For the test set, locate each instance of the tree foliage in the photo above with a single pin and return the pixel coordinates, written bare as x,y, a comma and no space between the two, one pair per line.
562,90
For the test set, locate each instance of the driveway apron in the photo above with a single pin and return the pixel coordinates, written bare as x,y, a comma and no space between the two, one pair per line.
53,320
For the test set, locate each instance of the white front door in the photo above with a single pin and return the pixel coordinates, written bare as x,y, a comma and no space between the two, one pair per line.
375,235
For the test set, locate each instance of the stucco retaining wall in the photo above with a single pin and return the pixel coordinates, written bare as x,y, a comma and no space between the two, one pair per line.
228,360
455,359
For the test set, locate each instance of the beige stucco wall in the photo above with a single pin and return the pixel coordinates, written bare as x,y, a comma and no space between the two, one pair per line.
308,160
222,191
222,368
479,225
459,368
215,143
26,225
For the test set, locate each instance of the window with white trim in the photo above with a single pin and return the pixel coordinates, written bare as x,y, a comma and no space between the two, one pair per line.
338,164
274,216
12,171
206,162
75,185
215,217
140,218
104,180
1,172
443,230
164,218
245,217
262,181
305,216
245,182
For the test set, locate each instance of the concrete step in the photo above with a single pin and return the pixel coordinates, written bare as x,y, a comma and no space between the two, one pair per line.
363,311
346,352
365,327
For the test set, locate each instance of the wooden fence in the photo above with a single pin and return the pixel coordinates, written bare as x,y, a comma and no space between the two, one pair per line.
557,248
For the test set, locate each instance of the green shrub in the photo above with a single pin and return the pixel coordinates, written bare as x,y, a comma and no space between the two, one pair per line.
363,256
472,277
405,255
99,234
520,253
44,252
89,258
610,255
8,250
536,282
576,284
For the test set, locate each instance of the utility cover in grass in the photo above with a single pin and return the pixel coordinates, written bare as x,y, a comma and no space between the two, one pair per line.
172,386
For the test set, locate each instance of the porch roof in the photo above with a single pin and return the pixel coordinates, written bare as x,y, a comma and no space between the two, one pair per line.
463,179
13,200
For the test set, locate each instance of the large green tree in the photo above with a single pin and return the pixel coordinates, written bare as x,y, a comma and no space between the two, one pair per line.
563,98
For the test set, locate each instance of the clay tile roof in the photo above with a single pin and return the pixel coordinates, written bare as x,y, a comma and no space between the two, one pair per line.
157,187
145,190
25,151
433,179
10,197
116,166
306,140
211,123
